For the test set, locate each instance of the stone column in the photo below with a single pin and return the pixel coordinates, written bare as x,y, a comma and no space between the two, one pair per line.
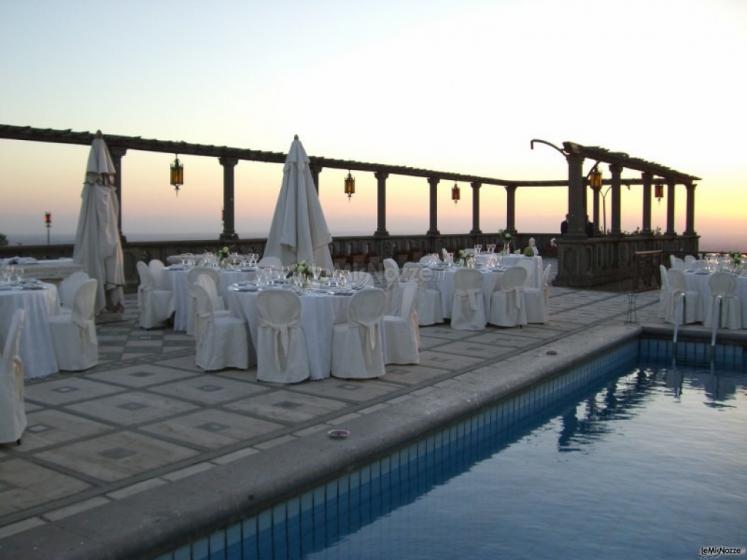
646,226
381,177
595,210
476,208
229,234
433,182
511,208
576,196
315,171
117,154
616,172
670,207
690,219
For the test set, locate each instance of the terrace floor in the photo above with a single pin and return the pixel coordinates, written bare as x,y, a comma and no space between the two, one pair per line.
147,416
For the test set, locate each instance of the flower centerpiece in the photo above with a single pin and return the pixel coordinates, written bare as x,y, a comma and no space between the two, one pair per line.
223,254
736,258
301,268
506,237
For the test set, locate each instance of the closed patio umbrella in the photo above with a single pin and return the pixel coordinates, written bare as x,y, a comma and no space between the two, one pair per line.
97,245
299,231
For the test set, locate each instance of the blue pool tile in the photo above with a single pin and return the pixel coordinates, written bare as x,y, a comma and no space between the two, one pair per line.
217,542
264,536
233,542
201,550
250,542
183,553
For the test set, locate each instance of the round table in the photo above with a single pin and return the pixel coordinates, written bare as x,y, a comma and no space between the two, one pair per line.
698,282
176,281
443,281
36,349
319,313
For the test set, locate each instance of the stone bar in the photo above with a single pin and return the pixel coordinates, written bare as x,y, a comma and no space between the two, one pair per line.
229,233
670,208
433,229
646,226
690,219
117,154
616,172
511,208
576,196
476,208
381,177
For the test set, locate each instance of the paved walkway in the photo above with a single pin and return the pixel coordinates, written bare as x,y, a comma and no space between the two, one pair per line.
146,416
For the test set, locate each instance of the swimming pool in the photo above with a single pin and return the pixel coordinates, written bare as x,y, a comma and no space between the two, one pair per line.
626,456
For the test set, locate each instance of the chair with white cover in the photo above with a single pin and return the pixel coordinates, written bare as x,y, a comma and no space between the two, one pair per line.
12,409
357,346
270,262
360,279
391,286
682,305
69,287
217,302
665,294
157,271
281,345
507,307
154,304
724,309
537,299
676,263
428,301
689,261
401,331
468,306
74,339
221,340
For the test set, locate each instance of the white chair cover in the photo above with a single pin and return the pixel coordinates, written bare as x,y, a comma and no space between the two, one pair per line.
428,301
69,287
676,263
270,262
665,294
157,271
12,410
76,346
216,301
221,340
689,261
392,287
401,332
723,288
154,305
357,346
507,307
537,299
682,305
281,345
468,307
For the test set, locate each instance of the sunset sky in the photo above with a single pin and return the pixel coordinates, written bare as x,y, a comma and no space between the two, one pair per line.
458,86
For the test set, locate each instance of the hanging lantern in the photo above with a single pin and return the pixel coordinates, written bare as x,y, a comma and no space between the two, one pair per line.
455,194
349,185
595,180
659,191
48,218
177,174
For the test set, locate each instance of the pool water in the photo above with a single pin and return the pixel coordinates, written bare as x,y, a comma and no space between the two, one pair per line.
625,457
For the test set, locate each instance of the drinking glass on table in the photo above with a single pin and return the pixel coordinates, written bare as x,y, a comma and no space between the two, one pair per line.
478,248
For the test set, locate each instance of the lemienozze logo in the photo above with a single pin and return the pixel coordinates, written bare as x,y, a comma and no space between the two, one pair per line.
712,551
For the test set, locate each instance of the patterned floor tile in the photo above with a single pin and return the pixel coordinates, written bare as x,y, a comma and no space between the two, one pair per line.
141,375
132,408
51,427
286,406
68,390
24,484
209,389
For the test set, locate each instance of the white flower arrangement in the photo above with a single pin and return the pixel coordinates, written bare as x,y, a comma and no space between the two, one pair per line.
301,267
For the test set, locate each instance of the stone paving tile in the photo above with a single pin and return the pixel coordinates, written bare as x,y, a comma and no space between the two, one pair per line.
209,389
51,427
287,406
447,361
412,375
68,390
211,429
348,390
24,484
141,375
444,331
474,349
117,456
132,408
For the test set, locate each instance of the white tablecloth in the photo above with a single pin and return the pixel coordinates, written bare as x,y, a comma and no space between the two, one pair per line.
532,264
50,270
319,313
37,352
176,281
698,282
443,281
